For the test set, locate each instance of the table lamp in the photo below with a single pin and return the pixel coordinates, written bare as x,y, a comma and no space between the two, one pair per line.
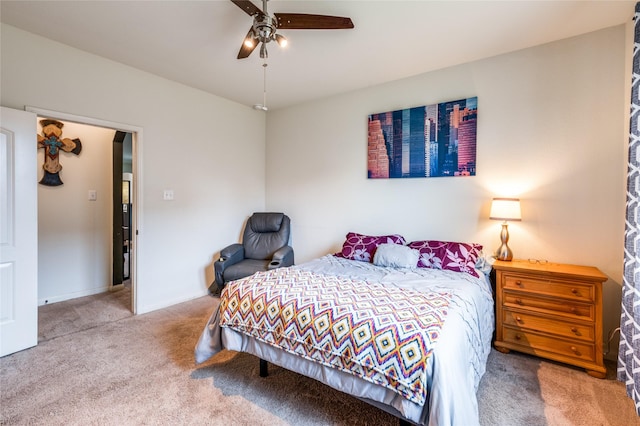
505,209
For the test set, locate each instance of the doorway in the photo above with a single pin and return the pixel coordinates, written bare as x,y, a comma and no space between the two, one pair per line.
122,205
97,255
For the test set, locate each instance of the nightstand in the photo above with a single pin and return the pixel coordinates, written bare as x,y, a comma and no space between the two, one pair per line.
552,311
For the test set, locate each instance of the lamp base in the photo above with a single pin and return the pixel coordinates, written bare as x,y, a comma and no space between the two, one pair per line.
504,252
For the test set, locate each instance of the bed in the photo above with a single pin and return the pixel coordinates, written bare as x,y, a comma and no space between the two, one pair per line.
411,340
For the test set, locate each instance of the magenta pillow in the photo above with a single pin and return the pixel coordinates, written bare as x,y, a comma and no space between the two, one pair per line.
459,257
363,247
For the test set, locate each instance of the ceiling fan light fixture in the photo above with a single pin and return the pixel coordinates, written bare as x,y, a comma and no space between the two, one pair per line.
281,40
263,51
249,43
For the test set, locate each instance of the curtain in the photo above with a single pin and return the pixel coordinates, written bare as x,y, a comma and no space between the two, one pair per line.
629,351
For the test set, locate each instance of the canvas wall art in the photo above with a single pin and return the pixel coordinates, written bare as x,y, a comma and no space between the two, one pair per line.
428,141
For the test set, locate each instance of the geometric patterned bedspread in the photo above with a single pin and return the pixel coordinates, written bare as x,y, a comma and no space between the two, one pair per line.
382,334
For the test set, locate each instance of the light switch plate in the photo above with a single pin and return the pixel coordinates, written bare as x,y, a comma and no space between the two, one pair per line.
167,195
93,195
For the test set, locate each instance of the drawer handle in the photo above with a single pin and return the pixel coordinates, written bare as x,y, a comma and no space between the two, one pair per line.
519,283
574,330
518,337
574,310
574,291
519,301
518,319
575,350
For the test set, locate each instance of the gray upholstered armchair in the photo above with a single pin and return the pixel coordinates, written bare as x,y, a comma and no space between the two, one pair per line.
264,246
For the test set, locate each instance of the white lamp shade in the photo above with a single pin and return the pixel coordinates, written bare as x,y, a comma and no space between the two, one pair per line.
505,209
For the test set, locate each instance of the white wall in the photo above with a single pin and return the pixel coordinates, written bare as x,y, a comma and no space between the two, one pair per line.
551,131
75,234
208,150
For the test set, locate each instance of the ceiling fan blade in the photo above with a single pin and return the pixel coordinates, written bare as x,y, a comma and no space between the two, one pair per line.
303,21
248,7
245,50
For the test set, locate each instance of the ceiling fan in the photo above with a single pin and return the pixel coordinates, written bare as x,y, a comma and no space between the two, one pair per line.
265,26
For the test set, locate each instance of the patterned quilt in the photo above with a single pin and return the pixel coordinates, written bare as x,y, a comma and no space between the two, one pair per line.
382,334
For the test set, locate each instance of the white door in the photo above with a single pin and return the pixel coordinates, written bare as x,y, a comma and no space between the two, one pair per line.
18,231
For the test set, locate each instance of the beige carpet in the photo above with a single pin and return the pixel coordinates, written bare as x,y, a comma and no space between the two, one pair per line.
96,364
83,313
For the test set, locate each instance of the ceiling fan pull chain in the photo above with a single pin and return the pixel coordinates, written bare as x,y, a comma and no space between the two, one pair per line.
264,92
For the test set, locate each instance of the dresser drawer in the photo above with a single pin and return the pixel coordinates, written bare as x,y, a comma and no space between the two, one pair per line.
562,327
567,308
571,290
531,342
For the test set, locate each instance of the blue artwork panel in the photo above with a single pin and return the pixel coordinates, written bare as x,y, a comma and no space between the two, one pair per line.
428,141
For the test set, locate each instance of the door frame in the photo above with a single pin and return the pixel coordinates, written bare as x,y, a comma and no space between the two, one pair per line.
136,189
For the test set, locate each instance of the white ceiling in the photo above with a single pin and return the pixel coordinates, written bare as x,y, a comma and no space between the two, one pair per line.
196,42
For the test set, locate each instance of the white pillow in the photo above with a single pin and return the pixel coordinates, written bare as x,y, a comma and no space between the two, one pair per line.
396,256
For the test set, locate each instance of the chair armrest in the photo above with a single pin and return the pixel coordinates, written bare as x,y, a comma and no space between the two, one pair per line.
228,256
282,257
232,254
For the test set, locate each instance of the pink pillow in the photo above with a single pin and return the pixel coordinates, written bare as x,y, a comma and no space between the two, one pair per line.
459,257
363,247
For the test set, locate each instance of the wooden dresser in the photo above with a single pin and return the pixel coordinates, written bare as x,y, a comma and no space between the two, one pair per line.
551,310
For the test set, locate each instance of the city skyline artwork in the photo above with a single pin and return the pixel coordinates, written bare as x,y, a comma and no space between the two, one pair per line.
428,141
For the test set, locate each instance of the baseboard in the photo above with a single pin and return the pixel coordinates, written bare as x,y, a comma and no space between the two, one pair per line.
184,298
69,296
